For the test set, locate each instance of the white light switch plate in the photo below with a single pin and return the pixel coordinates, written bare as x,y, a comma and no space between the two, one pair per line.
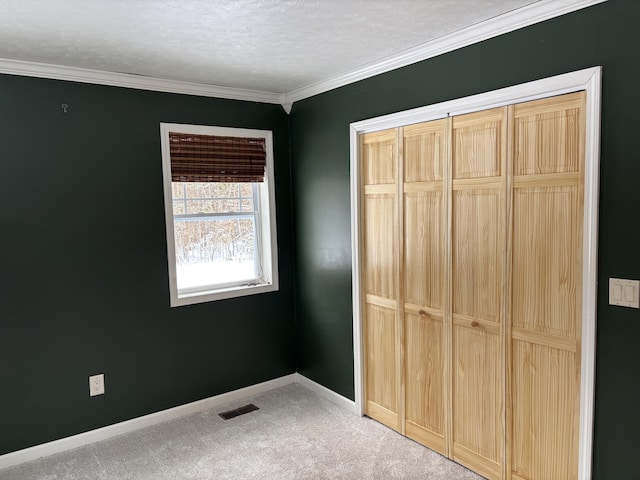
96,385
624,293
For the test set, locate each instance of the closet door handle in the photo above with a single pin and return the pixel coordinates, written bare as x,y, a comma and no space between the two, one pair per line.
474,324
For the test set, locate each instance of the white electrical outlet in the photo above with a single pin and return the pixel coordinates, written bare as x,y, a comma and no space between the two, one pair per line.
96,385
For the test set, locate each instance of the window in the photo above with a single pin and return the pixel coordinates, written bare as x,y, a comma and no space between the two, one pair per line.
220,212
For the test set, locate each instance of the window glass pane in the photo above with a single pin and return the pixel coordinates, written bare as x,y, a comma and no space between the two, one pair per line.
211,251
212,189
199,206
178,207
177,189
217,250
228,189
230,205
245,189
247,205
191,189
213,206
213,197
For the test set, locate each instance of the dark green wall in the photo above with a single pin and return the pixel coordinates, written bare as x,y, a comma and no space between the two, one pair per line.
83,268
605,34
83,264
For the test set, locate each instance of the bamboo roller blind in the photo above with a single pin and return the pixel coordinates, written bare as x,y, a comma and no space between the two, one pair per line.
212,158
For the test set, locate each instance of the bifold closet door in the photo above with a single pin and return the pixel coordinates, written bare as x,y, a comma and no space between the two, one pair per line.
424,154
477,236
380,263
472,285
547,286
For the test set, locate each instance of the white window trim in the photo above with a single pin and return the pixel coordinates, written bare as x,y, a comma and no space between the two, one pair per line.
268,231
590,80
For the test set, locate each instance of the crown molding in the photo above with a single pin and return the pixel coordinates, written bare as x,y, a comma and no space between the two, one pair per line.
99,77
508,22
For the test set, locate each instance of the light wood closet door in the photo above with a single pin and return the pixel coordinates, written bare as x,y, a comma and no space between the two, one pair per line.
477,238
381,277
472,275
547,285
425,149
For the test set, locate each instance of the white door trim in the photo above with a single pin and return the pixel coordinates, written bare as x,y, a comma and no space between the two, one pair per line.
589,80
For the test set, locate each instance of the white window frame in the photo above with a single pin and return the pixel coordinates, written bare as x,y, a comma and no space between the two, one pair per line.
265,220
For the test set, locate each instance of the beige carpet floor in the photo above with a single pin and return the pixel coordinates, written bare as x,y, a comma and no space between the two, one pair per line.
295,434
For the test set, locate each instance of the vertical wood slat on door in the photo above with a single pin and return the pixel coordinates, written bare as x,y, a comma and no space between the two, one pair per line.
424,149
400,325
507,304
478,217
380,276
548,183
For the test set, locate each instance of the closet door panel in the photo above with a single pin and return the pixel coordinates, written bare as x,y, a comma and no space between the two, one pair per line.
424,151
477,390
476,347
424,338
424,399
379,165
381,374
478,144
547,286
424,250
380,276
380,262
476,255
546,373
544,397
545,272
424,157
548,135
477,259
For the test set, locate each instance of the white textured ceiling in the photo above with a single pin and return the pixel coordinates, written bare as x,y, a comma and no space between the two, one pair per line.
267,45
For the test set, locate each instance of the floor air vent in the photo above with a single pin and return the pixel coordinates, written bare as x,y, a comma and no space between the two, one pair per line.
238,411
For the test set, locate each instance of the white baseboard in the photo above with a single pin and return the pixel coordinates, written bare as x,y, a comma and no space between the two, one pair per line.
326,393
75,441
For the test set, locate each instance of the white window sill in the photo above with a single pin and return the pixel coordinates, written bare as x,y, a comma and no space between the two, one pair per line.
220,294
